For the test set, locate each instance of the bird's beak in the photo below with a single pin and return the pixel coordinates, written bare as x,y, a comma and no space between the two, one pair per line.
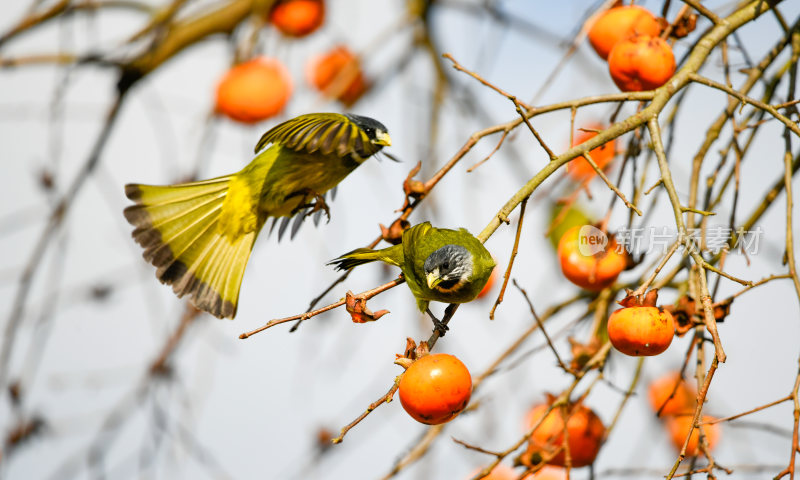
433,279
383,139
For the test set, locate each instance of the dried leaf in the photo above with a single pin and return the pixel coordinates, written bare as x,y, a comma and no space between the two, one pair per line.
583,352
412,188
394,233
356,305
684,26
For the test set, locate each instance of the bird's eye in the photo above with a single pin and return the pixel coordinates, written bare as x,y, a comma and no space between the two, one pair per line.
446,266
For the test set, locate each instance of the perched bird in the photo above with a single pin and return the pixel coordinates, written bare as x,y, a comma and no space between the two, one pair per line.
199,235
438,264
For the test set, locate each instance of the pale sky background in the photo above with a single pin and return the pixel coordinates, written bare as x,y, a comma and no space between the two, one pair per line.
254,406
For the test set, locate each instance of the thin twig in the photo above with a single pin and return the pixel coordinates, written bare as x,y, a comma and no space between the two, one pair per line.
514,250
751,286
704,11
748,412
305,316
628,394
666,176
520,106
744,98
385,398
541,327
487,157
643,288
474,447
613,187
477,77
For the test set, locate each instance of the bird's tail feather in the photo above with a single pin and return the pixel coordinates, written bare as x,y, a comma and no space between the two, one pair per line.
355,258
177,226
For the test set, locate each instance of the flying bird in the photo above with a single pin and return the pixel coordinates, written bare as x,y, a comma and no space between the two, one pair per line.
438,264
199,235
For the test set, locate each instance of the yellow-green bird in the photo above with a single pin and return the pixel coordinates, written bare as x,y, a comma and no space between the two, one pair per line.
438,264
199,235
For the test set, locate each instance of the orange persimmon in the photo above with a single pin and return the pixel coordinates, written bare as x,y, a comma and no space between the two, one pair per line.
297,18
435,388
640,329
641,63
500,472
590,271
580,169
337,74
551,473
585,433
682,401
253,91
619,23
678,428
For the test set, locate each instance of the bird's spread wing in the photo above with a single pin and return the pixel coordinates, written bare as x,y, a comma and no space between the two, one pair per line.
326,133
192,239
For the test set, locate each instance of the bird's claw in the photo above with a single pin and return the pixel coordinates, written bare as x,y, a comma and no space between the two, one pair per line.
440,327
317,205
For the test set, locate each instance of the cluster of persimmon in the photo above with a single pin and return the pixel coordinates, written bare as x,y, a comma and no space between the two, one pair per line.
639,328
673,400
260,88
629,38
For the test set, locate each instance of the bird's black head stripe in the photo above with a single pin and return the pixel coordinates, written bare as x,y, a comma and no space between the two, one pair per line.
369,125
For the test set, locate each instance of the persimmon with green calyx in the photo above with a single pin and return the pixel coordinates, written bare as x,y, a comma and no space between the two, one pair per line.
595,266
619,23
435,388
585,432
297,18
641,63
561,221
639,329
